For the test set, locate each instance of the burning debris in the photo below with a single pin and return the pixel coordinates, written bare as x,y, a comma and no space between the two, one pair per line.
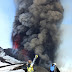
36,29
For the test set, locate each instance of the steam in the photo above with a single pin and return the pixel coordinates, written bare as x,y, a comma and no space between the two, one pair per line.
37,23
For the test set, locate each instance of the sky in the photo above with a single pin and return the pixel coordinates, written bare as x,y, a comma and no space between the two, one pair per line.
7,13
64,58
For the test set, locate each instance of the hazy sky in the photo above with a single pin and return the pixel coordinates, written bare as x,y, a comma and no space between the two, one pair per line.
7,13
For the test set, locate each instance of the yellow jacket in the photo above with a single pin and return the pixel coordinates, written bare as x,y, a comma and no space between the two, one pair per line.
30,69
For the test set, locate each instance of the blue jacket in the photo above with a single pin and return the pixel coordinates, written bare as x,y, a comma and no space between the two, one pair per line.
52,67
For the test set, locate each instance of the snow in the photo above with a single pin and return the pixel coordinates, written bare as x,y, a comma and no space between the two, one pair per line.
10,60
9,68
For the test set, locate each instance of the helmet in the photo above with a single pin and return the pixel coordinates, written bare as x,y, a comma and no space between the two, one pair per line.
54,63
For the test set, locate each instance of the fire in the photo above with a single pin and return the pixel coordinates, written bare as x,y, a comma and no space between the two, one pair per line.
25,53
16,41
15,45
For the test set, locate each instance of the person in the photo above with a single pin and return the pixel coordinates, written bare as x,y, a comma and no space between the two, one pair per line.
52,68
29,68
30,64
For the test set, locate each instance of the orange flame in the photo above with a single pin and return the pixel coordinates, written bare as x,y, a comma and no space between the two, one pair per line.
16,41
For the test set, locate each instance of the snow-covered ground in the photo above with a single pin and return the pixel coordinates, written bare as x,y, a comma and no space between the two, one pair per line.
9,68
10,60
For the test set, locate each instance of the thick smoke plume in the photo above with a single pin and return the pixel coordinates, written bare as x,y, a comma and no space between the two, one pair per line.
36,28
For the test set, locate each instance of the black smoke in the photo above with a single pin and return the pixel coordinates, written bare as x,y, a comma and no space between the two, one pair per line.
36,28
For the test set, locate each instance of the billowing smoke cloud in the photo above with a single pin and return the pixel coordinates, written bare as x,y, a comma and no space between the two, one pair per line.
36,28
